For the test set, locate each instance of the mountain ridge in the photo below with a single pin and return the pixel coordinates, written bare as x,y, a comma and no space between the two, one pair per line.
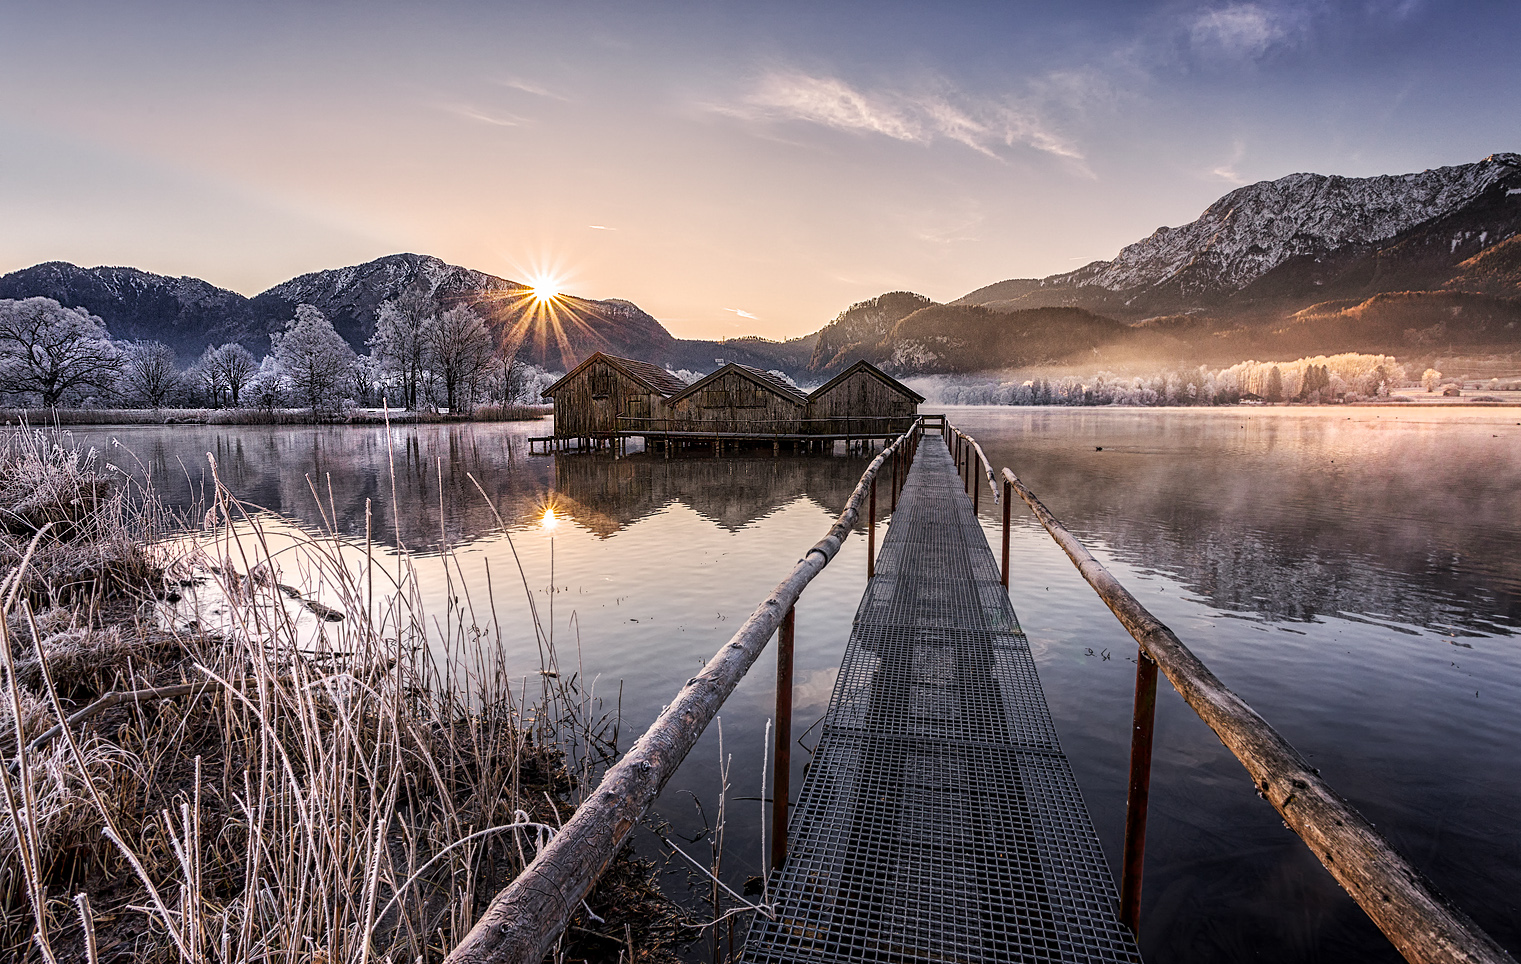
190,314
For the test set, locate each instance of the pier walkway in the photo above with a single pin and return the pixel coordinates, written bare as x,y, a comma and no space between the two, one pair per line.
939,820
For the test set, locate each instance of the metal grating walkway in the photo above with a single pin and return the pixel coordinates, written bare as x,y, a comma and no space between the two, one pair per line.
939,820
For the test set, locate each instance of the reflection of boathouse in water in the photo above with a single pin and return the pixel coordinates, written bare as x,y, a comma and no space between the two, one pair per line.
607,399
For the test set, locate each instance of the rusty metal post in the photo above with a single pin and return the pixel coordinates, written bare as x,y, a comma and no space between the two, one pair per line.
781,778
1006,494
1140,791
897,462
871,532
976,483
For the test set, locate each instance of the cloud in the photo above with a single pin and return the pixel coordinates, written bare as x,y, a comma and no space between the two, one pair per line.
529,87
1227,171
743,314
479,116
920,118
601,227
1244,30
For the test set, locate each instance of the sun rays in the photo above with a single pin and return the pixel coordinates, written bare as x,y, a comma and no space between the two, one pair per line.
540,320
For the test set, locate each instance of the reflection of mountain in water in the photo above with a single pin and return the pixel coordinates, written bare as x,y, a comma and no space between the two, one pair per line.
322,477
1289,518
1247,573
605,495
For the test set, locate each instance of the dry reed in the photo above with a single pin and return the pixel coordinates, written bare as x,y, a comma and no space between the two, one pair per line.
288,787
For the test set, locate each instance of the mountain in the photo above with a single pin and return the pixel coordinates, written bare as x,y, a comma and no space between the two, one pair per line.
185,313
1306,238
555,335
1405,264
188,314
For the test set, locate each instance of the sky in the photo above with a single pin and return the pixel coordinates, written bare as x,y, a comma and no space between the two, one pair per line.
732,168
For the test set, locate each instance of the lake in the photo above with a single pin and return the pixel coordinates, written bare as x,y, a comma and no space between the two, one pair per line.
1351,572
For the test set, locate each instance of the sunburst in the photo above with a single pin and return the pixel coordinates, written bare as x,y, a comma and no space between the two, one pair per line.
544,287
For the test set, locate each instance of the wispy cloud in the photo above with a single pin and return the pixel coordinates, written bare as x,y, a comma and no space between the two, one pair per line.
470,113
1247,31
984,125
601,227
529,87
1226,171
743,314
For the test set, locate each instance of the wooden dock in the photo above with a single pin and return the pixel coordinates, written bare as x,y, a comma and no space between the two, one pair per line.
939,820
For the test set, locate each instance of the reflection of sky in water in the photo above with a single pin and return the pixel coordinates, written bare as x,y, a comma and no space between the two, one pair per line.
1354,579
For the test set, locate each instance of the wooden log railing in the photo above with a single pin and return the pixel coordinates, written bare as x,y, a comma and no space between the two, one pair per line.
523,921
1421,923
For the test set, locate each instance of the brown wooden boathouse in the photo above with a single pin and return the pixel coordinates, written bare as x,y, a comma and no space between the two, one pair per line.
606,400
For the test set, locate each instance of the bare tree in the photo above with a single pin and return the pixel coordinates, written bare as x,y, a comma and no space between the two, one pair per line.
314,359
148,372
207,375
232,366
461,352
400,343
51,350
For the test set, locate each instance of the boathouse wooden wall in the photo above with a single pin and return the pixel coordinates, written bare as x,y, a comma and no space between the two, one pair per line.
732,402
588,405
861,403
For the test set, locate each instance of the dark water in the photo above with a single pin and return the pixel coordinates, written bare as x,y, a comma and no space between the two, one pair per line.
1355,579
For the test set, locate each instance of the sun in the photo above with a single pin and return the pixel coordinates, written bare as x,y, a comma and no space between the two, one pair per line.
544,287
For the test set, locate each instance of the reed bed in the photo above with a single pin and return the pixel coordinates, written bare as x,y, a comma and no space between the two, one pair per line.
203,763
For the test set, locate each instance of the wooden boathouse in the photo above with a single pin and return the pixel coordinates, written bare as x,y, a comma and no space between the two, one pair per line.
842,405
738,400
606,400
594,396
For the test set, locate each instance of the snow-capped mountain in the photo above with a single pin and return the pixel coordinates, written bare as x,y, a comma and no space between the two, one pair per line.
184,313
189,314
1305,238
350,296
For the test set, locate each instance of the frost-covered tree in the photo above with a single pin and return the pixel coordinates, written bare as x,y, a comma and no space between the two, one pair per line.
148,372
460,352
363,379
50,351
266,389
1274,391
235,366
400,343
224,371
314,360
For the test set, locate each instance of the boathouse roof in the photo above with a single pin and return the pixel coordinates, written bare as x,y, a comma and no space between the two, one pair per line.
765,380
653,377
875,372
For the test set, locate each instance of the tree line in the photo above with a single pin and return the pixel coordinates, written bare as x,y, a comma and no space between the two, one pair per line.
1346,377
420,357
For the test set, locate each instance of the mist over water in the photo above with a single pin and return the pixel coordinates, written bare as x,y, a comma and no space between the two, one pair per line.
1351,572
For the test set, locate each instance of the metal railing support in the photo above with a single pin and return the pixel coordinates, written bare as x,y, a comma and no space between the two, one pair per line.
1143,724
871,531
1005,568
782,774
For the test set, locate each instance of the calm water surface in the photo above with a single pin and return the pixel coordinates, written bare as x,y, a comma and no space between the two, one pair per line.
1352,573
